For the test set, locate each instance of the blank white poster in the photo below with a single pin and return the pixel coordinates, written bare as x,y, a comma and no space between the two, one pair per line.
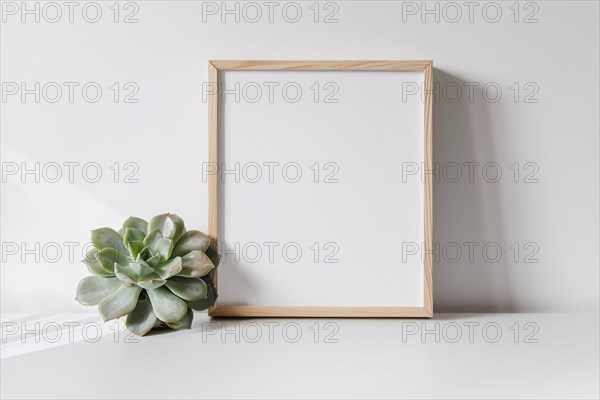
318,201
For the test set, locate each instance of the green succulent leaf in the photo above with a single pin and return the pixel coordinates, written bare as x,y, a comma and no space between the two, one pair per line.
190,241
188,319
153,261
136,223
142,318
92,289
185,323
214,256
132,234
152,237
108,257
145,253
135,247
169,268
201,305
94,266
167,307
120,302
104,238
170,225
190,289
176,325
195,264
151,282
126,274
140,268
163,247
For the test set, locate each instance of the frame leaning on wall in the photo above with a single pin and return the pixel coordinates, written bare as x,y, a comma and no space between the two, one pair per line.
426,67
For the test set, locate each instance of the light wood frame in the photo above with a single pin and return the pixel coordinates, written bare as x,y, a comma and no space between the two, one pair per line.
214,66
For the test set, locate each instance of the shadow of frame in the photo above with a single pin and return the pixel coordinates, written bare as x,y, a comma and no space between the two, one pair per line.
467,215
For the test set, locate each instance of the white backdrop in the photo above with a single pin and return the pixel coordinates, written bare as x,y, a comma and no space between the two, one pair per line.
515,125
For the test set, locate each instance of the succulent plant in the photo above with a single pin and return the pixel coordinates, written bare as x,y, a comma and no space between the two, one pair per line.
154,273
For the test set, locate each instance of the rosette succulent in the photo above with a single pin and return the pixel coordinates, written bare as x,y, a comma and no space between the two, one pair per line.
152,273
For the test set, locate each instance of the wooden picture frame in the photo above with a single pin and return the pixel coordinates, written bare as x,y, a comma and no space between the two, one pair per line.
214,67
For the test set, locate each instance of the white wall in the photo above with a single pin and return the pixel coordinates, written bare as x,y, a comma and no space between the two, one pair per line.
165,54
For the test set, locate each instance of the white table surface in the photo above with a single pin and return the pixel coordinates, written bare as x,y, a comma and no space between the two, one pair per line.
373,358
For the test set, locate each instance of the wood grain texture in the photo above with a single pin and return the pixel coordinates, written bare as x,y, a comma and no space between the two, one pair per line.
375,312
213,159
249,65
428,241
331,312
